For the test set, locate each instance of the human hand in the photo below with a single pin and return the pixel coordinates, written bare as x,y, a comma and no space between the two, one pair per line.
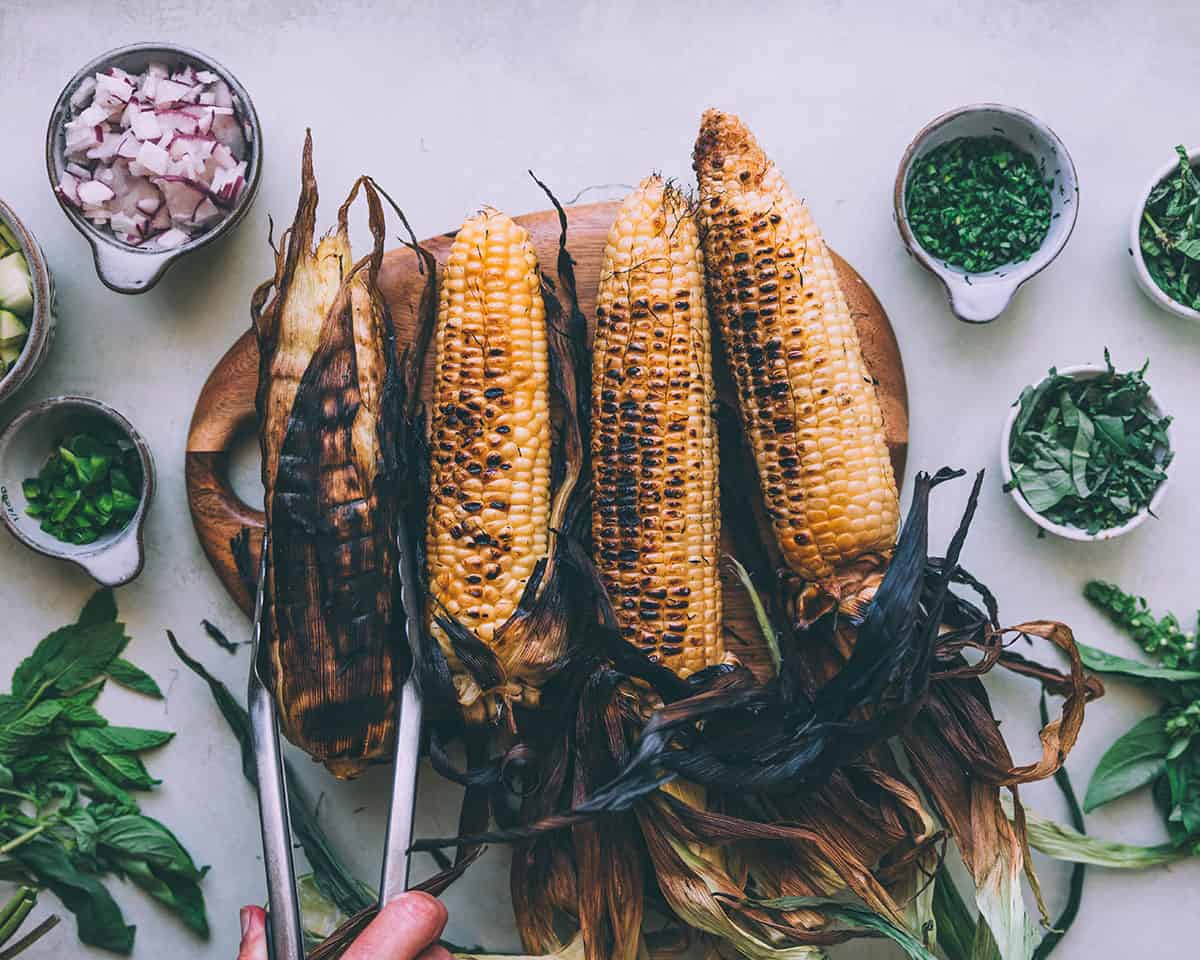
406,929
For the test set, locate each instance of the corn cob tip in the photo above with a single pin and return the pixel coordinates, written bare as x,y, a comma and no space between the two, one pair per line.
725,142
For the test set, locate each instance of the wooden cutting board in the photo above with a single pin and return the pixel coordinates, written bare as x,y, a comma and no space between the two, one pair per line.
225,408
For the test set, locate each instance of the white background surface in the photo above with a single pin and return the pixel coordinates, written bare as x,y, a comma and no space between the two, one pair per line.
448,104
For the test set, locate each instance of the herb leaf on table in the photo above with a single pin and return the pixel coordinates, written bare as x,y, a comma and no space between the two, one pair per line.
1088,453
67,815
1135,759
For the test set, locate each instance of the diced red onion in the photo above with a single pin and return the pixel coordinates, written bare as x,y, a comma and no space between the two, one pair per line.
157,157
94,192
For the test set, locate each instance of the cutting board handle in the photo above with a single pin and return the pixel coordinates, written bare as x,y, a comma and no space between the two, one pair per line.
224,412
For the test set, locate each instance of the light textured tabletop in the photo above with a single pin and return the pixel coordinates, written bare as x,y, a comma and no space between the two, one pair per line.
448,105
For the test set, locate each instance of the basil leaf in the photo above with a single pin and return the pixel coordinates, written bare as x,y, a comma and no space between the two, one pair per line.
126,770
120,739
134,835
1183,775
15,737
134,678
1103,662
1044,490
184,897
1189,248
98,918
100,608
1133,760
100,783
85,828
1080,455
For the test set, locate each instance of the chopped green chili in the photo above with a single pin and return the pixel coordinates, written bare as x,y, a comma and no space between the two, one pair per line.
979,203
1170,234
1089,453
90,485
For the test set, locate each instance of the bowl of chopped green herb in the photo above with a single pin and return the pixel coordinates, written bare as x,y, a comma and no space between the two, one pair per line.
76,481
985,198
1085,452
1164,237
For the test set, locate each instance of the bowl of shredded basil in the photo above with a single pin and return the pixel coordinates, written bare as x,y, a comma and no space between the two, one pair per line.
1085,452
1165,236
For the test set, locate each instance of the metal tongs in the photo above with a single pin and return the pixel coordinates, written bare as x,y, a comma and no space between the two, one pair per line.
284,930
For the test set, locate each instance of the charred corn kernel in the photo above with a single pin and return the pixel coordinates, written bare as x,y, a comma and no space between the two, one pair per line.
655,510
808,404
490,430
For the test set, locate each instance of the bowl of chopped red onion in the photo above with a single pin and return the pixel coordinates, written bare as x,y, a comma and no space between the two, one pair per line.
153,151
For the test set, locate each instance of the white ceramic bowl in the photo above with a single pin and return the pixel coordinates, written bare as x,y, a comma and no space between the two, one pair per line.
121,267
41,322
1145,281
981,297
1084,371
26,444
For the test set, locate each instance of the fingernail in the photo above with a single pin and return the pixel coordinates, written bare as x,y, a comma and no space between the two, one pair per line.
245,917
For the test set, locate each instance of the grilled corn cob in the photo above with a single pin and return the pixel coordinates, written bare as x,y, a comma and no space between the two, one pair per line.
326,381
489,518
655,506
808,404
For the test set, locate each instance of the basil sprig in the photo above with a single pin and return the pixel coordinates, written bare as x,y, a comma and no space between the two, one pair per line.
1161,750
1089,453
68,813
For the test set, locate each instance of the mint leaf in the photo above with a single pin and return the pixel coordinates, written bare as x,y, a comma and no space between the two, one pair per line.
134,678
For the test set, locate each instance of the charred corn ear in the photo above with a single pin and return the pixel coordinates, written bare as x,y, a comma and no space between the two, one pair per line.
808,404
327,413
489,516
655,508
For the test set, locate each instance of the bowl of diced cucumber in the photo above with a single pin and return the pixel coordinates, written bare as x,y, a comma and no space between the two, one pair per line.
26,304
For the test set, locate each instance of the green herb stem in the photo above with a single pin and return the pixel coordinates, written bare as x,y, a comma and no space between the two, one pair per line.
24,838
15,912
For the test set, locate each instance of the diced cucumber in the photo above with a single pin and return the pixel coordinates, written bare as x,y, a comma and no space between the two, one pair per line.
13,330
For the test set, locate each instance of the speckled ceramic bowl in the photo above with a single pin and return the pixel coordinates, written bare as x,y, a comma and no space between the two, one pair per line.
122,267
1084,371
41,323
982,297
26,444
1145,281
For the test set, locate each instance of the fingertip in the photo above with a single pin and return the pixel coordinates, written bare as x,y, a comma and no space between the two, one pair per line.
254,929
436,953
420,909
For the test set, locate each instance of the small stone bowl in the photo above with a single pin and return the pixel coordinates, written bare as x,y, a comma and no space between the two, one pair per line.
982,297
25,445
1145,281
41,323
1084,371
121,267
